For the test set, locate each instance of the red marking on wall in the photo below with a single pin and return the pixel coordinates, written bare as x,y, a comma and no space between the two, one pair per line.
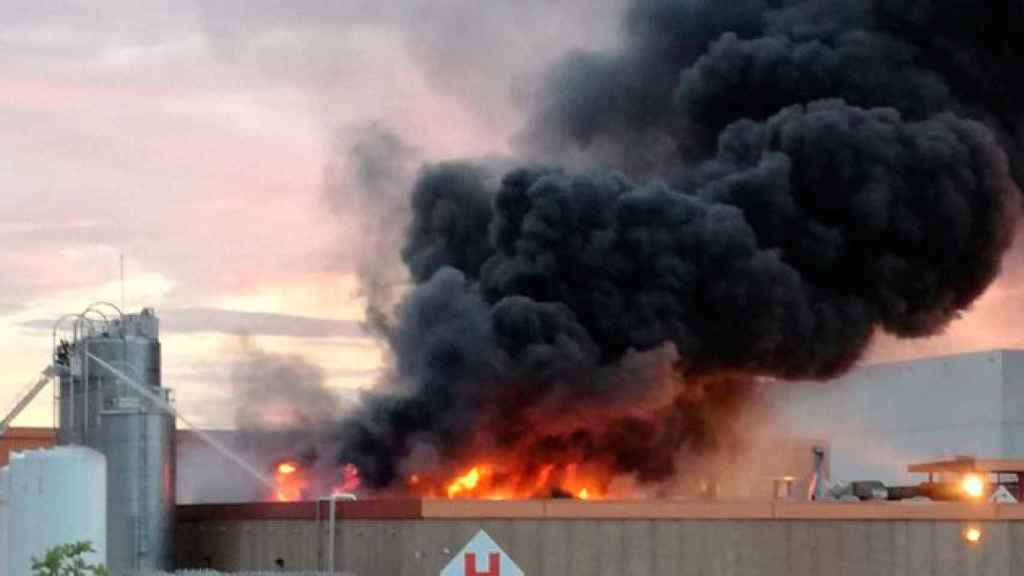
493,565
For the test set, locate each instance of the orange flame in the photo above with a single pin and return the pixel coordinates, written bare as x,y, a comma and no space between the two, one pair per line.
488,482
289,481
350,481
465,483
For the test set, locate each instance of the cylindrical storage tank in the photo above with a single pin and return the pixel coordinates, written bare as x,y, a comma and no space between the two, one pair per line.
101,410
88,389
140,447
57,496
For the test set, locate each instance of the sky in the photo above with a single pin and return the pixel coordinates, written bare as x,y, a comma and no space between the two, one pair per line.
227,150
211,144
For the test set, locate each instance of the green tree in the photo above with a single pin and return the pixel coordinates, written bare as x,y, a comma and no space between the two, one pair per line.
67,560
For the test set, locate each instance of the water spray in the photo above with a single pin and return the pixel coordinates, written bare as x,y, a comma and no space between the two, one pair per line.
204,436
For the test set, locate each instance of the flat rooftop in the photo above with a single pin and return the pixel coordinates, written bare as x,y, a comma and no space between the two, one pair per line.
413,509
964,465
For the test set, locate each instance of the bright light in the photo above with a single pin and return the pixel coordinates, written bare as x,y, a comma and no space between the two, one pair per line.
973,485
972,535
465,483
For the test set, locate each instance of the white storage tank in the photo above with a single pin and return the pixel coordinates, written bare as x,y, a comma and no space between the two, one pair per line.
56,496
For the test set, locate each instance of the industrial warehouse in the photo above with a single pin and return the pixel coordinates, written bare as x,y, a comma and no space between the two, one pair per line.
112,475
459,288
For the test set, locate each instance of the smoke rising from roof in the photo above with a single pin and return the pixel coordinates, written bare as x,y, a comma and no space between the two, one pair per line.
365,185
766,184
280,391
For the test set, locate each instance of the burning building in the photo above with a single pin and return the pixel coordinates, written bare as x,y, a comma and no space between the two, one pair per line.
763,534
724,201
738,196
740,192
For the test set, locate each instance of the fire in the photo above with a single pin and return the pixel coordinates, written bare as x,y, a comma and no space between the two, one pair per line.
295,481
290,481
465,483
485,481
973,486
350,481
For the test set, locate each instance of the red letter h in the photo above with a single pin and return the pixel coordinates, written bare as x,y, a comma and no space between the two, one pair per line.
493,568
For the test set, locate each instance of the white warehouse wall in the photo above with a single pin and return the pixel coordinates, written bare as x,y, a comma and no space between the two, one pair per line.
1013,403
881,418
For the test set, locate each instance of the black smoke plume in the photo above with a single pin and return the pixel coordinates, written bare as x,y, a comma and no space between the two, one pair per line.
768,183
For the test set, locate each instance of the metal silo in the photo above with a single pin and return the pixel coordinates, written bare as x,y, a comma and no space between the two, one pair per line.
101,411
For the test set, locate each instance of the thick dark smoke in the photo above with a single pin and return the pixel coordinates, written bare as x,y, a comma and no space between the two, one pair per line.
770,183
690,67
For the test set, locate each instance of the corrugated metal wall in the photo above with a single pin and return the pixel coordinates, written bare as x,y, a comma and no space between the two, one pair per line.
652,538
619,547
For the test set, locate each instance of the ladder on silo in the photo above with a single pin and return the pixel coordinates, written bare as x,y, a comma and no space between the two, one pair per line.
24,399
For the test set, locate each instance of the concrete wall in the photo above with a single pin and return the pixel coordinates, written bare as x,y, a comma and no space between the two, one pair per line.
880,418
766,540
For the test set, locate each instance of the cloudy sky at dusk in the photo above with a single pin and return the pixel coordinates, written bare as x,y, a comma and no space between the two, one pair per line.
223,148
